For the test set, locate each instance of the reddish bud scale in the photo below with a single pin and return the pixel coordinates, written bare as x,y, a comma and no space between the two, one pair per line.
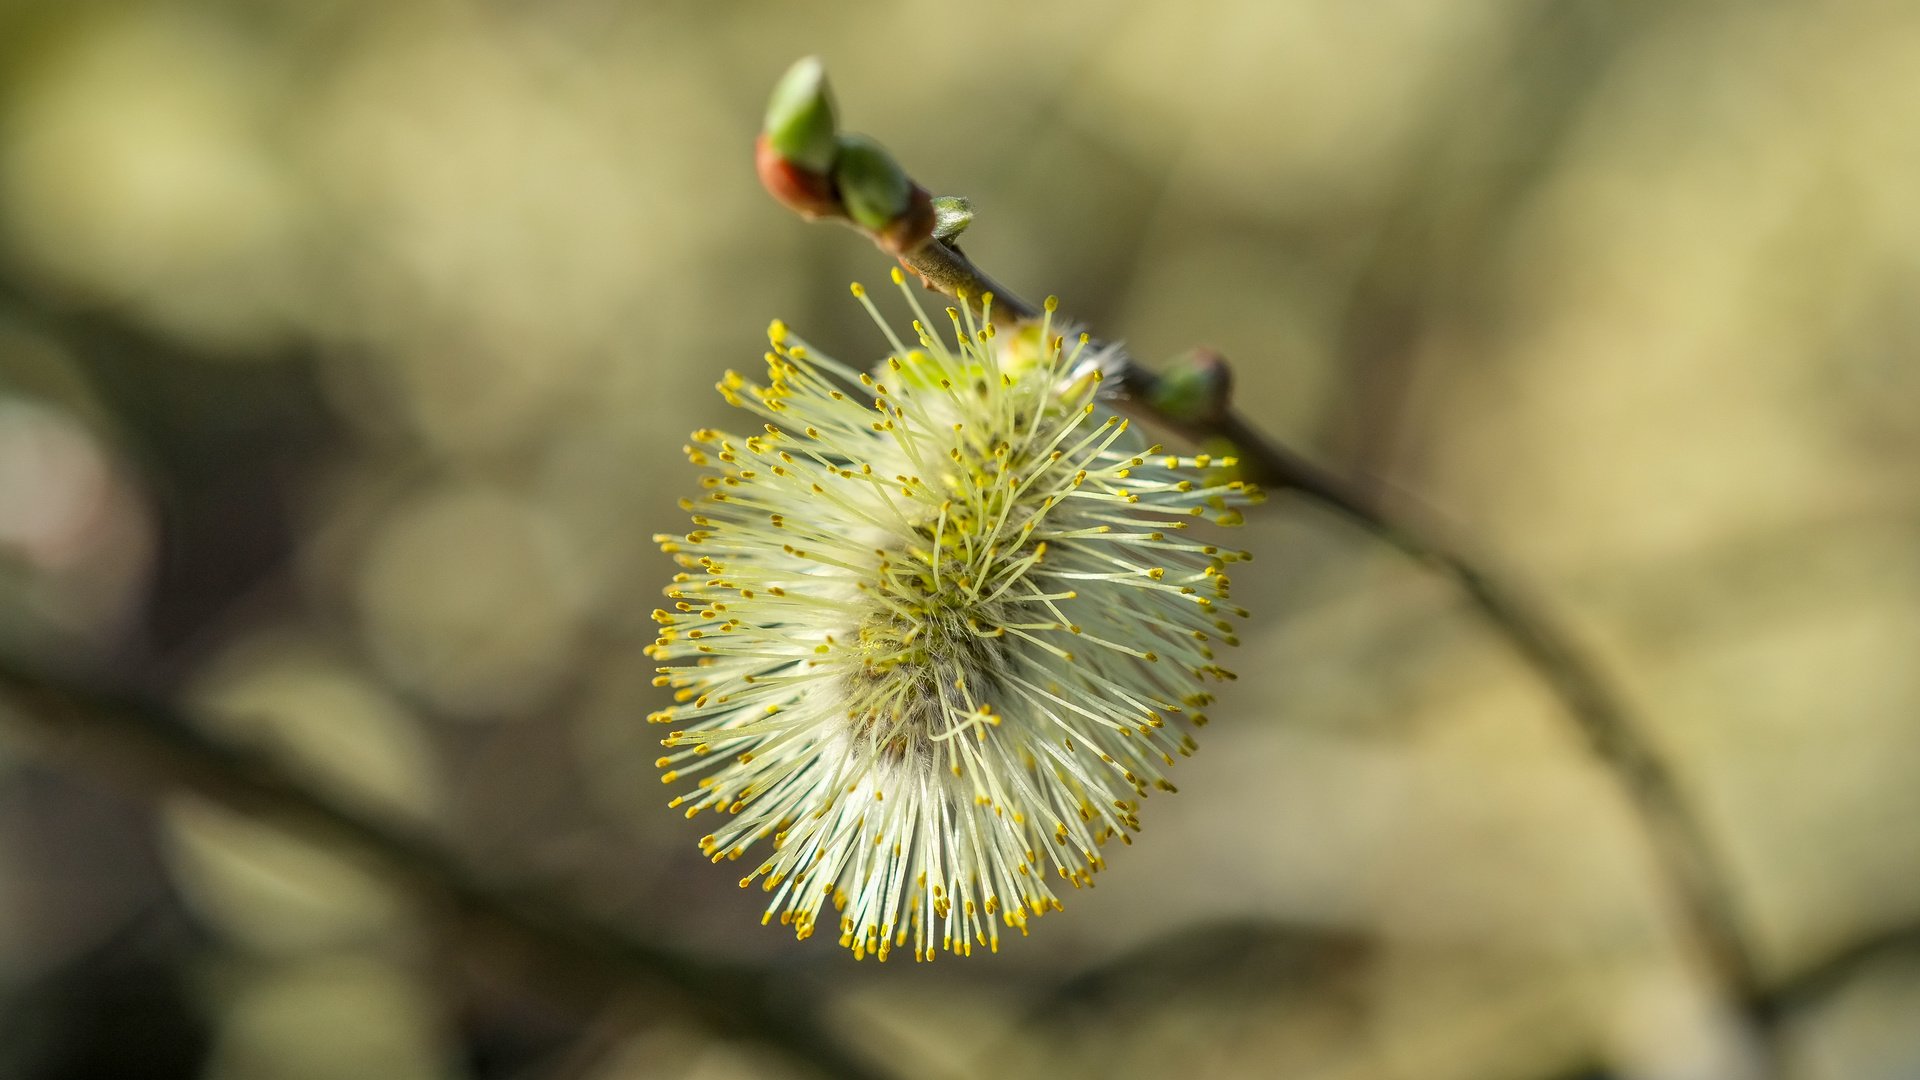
807,193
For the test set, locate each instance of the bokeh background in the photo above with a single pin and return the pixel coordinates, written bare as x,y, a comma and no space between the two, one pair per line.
346,351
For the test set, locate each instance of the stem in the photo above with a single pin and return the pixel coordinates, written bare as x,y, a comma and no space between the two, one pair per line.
1617,738
944,268
1683,856
574,954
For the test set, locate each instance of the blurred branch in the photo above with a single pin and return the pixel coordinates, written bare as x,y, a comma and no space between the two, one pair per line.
599,1039
1189,960
1683,852
1492,137
1207,965
1839,969
541,935
823,174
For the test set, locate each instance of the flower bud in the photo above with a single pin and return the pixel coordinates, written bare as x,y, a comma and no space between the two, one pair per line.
951,216
1193,390
800,123
807,193
873,187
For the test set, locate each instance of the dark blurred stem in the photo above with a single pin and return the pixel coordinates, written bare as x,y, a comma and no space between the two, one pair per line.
1684,857
568,952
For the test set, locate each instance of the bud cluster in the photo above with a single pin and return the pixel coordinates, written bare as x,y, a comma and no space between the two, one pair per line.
815,169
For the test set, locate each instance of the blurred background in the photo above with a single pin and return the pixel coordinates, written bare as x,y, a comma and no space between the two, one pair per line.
346,351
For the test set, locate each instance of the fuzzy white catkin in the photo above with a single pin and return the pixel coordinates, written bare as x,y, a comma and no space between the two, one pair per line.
939,629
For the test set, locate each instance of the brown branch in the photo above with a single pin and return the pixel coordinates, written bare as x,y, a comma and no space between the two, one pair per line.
1682,850
1196,403
577,958
941,266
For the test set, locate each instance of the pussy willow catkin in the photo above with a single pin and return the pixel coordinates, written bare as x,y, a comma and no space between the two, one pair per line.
938,631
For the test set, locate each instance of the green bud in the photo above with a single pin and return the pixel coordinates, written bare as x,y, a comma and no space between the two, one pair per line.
800,122
951,216
1192,390
874,188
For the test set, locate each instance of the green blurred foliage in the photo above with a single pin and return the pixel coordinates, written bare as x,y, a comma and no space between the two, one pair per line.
346,351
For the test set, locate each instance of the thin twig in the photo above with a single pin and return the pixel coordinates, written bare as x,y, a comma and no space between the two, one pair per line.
1683,856
1684,853
574,955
